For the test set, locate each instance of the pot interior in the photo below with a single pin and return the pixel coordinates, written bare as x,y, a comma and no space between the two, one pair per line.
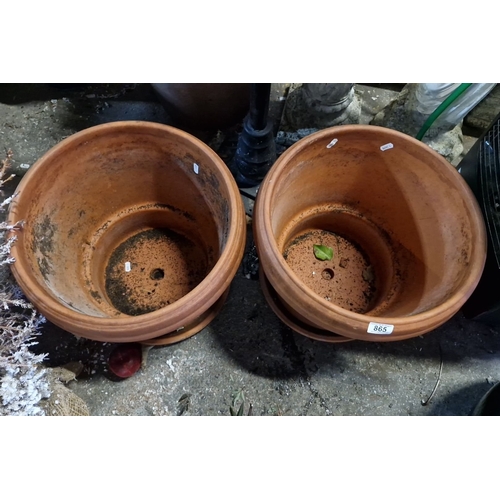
360,275
397,220
124,220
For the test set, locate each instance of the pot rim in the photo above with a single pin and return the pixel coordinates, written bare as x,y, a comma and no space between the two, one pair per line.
273,260
131,328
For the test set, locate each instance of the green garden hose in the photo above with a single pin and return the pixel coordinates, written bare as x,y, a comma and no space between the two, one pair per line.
441,108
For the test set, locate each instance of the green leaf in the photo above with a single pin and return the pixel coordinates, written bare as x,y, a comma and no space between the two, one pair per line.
240,411
323,253
238,397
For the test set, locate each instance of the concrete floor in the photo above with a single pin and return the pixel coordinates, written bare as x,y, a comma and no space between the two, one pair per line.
247,352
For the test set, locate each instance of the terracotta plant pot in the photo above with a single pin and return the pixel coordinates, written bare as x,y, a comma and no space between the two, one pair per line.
407,235
133,231
205,106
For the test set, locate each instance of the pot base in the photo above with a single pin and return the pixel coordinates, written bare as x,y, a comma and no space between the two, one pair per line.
146,258
363,275
347,280
153,269
194,328
291,321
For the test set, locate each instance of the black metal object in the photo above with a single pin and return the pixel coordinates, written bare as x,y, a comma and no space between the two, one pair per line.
489,404
481,170
256,149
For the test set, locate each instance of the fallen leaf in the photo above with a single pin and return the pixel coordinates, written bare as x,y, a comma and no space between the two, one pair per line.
322,252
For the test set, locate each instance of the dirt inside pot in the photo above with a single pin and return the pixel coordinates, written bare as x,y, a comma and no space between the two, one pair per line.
153,269
347,280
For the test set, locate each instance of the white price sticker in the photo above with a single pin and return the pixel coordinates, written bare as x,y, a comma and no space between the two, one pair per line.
332,143
387,146
196,168
380,328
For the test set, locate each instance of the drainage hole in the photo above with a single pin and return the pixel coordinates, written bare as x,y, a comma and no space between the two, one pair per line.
327,274
157,274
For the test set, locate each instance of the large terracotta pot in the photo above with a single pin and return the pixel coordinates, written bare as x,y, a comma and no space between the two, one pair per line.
407,235
205,106
133,231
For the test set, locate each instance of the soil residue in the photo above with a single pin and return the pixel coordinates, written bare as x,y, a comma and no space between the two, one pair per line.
347,280
153,269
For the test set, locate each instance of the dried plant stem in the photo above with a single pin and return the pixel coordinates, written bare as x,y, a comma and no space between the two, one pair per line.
6,164
427,401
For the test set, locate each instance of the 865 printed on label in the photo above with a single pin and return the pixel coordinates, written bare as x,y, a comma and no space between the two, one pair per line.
380,328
